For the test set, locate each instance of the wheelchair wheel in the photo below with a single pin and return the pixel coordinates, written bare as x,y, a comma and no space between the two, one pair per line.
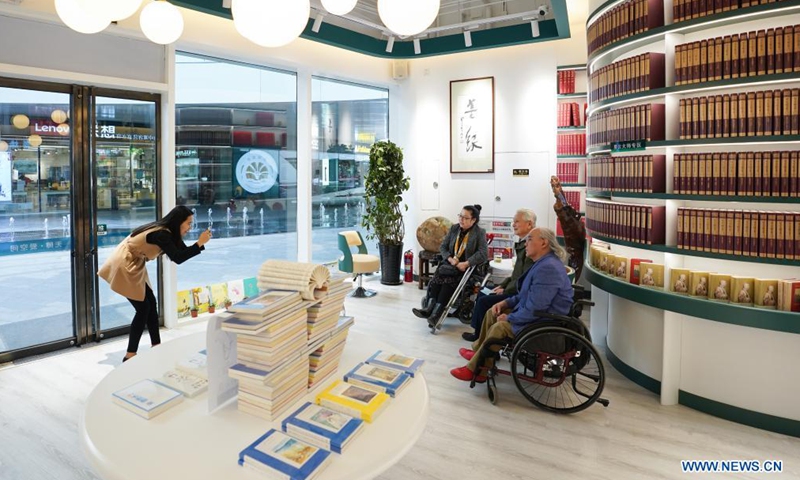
557,370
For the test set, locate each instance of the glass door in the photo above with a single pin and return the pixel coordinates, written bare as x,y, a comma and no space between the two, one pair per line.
125,170
36,201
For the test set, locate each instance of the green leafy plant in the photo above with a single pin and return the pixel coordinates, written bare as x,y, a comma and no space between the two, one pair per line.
383,191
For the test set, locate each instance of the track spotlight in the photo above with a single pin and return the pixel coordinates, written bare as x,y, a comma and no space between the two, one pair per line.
467,38
417,48
535,28
226,4
317,23
390,45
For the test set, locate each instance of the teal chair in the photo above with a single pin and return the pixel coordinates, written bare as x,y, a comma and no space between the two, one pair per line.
357,263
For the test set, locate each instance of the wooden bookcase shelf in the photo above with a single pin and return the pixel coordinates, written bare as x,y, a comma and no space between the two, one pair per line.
692,198
571,95
709,142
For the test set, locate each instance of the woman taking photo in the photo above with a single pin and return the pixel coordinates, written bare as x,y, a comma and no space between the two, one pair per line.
126,273
463,246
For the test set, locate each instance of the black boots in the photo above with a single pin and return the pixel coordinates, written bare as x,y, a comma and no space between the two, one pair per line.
436,312
427,306
469,336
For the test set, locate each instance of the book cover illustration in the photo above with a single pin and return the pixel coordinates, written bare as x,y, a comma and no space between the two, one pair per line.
699,286
621,269
280,454
719,287
766,293
184,303
680,281
219,294
201,297
653,275
611,264
742,290
636,269
404,363
250,287
147,395
236,290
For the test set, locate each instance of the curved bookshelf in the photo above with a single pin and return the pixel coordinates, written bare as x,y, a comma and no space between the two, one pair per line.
756,12
703,142
570,157
691,197
571,129
577,66
571,95
764,319
774,79
695,253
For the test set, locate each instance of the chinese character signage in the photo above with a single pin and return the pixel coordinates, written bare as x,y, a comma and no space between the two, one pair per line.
472,125
629,146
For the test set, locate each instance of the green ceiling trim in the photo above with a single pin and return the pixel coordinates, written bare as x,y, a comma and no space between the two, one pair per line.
358,42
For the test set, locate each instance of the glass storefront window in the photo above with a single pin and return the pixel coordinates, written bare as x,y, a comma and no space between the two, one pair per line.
346,120
235,165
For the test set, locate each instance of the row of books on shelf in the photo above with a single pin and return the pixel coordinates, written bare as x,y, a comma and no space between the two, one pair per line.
239,138
573,197
223,116
571,144
688,9
762,52
571,114
311,435
568,172
633,223
637,173
748,233
722,287
759,174
149,398
763,113
566,81
624,20
631,75
639,122
202,299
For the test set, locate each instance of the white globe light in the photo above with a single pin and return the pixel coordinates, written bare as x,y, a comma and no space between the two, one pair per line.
161,22
3,146
20,121
339,7
59,116
270,24
408,17
35,140
78,15
114,9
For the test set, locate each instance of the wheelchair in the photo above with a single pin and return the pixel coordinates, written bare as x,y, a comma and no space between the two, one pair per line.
463,299
553,362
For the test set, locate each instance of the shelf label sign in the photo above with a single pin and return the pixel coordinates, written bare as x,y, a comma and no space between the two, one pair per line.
102,229
521,172
629,146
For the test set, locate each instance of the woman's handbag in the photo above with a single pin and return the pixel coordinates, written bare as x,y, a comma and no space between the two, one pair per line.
447,270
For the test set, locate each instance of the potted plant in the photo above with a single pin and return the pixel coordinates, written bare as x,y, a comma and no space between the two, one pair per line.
211,307
228,304
383,189
193,311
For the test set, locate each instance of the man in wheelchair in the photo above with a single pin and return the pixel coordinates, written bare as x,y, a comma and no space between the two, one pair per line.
545,287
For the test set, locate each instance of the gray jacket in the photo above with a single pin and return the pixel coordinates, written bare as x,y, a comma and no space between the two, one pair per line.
521,266
476,252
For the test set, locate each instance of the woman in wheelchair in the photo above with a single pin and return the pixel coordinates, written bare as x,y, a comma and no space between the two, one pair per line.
545,287
463,246
524,221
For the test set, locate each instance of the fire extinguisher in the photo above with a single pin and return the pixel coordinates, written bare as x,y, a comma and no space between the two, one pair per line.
408,262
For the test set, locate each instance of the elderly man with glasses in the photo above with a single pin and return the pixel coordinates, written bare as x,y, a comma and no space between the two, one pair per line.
545,287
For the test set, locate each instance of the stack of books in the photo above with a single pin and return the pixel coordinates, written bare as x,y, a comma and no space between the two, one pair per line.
196,365
147,398
322,427
324,361
254,315
277,455
268,393
323,316
409,365
384,379
358,402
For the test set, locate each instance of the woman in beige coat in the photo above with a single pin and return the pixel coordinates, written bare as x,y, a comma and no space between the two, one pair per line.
126,273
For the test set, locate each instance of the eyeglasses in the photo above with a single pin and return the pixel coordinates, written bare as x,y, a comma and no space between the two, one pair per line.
462,217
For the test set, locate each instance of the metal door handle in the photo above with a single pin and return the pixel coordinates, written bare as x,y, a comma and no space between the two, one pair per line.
497,198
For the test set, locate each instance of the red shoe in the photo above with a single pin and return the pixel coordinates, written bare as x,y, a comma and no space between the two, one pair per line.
466,353
465,374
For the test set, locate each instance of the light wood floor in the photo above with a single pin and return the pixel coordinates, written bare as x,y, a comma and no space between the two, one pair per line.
466,437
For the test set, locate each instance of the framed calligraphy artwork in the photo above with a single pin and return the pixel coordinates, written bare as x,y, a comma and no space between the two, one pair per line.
472,125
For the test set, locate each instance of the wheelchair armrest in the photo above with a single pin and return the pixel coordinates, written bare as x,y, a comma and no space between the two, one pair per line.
588,303
553,316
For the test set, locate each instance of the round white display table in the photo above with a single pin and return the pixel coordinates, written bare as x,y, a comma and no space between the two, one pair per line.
501,270
186,442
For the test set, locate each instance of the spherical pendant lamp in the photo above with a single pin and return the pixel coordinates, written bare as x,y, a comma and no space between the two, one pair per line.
339,7
272,23
3,146
161,22
78,15
59,116
114,9
408,17
35,140
20,121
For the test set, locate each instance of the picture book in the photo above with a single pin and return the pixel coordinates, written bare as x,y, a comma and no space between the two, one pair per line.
147,398
353,400
699,286
200,298
387,380
635,269
219,294
184,303
742,290
719,287
652,275
611,264
789,295
186,383
266,302
322,427
621,267
250,287
680,281
766,293
236,290
281,456
410,365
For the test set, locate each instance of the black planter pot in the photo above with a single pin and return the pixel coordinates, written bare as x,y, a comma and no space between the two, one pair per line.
391,259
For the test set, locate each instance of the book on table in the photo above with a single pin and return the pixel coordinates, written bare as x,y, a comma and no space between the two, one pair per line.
322,427
385,379
353,400
271,324
147,398
196,365
186,383
266,302
410,365
280,456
